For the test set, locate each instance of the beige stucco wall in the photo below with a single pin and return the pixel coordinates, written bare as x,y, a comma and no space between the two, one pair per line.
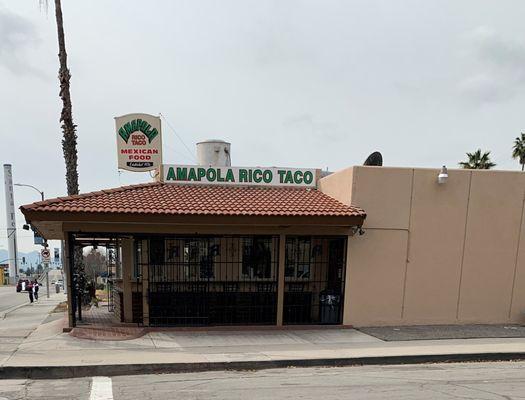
431,253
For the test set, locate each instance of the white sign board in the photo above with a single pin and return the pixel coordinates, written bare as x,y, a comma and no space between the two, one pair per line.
139,142
46,255
246,176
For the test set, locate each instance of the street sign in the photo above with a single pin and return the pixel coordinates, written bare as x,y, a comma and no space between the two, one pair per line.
39,239
46,255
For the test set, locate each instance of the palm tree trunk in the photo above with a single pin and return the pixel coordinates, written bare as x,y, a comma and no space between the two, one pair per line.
69,141
69,148
522,166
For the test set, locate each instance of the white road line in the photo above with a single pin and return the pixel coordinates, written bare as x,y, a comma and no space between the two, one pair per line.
101,388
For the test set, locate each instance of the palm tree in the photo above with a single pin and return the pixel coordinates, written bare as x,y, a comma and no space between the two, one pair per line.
69,141
477,160
518,150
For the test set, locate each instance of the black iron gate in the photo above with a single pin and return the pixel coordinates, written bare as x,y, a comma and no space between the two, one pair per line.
210,280
314,280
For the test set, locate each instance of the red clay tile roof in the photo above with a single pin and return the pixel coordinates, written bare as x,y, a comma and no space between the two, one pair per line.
172,199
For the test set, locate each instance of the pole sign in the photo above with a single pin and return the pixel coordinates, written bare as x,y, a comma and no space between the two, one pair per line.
46,255
245,176
139,142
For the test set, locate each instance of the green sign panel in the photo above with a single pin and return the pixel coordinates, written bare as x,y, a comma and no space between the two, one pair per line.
239,175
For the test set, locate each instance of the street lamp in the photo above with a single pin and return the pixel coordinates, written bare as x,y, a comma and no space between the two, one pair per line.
32,187
46,265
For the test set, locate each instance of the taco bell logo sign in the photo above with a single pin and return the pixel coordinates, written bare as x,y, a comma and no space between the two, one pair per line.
139,142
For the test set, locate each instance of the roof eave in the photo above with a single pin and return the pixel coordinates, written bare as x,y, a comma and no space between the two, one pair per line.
33,216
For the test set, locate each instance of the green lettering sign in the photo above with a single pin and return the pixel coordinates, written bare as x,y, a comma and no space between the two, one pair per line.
137,125
192,176
288,177
257,176
219,176
298,177
308,177
281,175
243,175
171,174
211,174
267,176
240,176
229,176
201,173
182,174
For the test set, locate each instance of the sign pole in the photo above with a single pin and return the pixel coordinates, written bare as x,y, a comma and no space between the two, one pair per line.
46,255
46,265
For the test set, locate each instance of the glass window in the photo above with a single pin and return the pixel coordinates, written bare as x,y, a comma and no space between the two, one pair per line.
257,257
298,257
198,256
156,251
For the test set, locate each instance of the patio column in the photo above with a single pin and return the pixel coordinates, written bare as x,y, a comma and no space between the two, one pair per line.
68,262
145,291
280,279
346,297
127,268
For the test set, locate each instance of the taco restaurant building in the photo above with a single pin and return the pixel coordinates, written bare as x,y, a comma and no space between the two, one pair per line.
277,246
213,246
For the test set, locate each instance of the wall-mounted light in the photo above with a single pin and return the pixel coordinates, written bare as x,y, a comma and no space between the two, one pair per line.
357,230
443,175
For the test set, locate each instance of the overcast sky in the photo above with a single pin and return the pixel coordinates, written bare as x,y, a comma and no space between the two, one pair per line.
289,83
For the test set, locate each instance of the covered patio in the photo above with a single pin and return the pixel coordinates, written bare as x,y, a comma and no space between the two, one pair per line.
186,255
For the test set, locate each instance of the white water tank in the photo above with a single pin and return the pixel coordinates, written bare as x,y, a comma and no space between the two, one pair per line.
214,152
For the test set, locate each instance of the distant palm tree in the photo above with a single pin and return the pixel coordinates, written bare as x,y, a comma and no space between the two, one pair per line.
477,160
518,150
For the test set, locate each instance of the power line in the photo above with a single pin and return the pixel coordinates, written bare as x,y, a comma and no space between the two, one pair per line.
176,134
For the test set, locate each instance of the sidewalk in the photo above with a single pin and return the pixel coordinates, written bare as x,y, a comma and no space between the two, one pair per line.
19,323
47,351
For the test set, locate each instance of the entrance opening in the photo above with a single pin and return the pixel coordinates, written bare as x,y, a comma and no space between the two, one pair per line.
314,280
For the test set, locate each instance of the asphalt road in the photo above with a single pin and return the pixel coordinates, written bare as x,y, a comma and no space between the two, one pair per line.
505,380
10,298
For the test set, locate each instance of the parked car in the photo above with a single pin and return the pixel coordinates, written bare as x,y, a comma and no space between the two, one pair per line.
22,285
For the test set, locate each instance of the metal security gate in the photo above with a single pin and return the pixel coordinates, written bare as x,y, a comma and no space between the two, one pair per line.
314,280
210,280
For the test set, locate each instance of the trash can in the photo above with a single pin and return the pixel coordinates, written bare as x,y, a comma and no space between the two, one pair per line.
57,288
329,307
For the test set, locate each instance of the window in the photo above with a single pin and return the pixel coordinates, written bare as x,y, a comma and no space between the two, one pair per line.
198,257
257,257
298,257
156,251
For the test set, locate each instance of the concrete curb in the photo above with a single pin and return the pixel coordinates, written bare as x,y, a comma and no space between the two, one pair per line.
10,310
79,371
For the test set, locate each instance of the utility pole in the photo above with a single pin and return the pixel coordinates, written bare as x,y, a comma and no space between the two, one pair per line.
11,224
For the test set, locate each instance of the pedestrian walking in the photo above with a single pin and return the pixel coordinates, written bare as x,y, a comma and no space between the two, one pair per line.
29,288
36,286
